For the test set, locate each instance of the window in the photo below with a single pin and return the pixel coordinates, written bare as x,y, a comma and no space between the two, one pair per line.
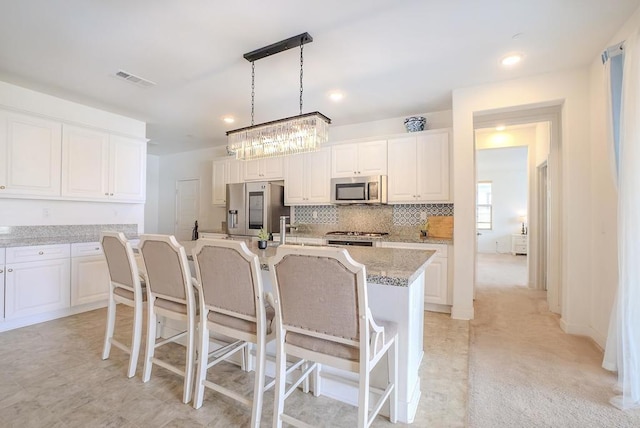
483,206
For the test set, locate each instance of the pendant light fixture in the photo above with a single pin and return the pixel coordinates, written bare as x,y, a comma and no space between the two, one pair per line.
296,134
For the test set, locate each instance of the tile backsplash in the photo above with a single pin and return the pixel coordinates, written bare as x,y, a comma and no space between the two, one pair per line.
375,218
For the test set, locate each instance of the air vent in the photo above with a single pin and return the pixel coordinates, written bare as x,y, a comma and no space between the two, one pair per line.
136,80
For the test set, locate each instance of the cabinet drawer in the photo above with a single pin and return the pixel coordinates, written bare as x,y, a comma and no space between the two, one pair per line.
38,252
520,249
1,255
86,249
520,240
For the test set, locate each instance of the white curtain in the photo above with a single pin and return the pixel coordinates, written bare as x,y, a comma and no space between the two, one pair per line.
623,344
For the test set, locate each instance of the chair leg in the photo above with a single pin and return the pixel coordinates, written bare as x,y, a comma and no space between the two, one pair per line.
280,388
317,382
135,339
258,388
392,361
190,354
203,361
111,322
151,342
363,396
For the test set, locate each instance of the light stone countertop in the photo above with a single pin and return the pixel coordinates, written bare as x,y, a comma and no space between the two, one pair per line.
386,266
52,240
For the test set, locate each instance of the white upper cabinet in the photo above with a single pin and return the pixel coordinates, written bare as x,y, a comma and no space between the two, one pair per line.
419,168
127,166
30,161
85,163
102,166
224,172
264,169
307,178
353,159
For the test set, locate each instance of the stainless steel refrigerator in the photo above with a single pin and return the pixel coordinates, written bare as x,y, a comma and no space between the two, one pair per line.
255,205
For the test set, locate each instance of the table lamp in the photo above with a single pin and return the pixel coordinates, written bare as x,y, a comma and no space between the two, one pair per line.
523,220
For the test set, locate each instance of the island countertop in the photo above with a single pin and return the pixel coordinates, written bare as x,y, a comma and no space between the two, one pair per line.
386,266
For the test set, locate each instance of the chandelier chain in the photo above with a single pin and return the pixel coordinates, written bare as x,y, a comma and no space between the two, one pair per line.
253,89
301,73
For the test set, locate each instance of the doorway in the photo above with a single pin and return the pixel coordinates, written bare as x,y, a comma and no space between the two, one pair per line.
502,196
187,208
546,149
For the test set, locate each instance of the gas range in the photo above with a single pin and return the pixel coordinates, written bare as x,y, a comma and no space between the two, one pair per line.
361,239
357,234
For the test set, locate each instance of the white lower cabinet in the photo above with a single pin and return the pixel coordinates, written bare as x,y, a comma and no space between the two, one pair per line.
436,278
89,274
36,280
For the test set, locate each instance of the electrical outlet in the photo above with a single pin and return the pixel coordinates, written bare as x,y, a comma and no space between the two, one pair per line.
423,215
315,214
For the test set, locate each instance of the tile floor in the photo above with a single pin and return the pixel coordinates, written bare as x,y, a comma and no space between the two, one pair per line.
52,375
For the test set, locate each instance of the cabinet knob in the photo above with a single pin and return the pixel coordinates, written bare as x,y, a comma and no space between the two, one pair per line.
9,270
110,194
1,271
97,248
2,187
106,194
40,252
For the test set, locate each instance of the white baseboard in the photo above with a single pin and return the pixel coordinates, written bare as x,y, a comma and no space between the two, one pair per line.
462,313
584,330
10,324
435,307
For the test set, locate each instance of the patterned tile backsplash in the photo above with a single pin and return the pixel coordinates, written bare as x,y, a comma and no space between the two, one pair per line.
370,218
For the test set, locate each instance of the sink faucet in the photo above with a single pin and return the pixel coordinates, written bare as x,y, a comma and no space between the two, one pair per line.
283,228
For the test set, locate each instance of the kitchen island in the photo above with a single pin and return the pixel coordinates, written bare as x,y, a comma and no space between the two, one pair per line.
395,285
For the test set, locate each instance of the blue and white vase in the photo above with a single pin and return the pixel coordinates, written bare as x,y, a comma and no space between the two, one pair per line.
415,123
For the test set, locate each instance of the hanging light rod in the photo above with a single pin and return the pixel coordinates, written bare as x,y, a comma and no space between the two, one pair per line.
281,46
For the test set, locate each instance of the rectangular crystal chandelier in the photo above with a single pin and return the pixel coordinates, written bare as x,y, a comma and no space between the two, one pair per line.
297,134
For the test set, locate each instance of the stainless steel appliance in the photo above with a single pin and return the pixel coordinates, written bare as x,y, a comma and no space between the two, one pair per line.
359,190
255,205
357,239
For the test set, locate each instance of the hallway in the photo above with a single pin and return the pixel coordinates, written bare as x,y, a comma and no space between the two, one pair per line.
523,370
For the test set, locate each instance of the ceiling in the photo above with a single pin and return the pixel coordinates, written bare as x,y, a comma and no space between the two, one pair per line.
389,58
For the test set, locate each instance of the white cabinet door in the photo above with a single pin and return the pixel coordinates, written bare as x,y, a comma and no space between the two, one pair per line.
273,168
294,180
433,167
219,182
235,171
307,178
264,169
344,160
317,176
36,287
252,170
30,155
435,281
436,276
89,280
402,170
85,163
127,160
372,158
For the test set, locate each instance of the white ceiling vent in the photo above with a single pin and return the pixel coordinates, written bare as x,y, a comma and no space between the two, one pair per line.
136,80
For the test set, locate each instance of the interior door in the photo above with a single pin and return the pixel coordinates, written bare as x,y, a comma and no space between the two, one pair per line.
187,208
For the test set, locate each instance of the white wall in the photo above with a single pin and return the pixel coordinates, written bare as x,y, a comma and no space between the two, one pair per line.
183,166
604,242
153,194
33,212
571,90
506,169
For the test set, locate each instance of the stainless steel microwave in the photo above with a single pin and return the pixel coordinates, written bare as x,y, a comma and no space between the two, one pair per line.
359,190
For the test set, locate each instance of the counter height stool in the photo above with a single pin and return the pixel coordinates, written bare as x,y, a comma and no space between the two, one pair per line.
322,315
232,304
126,287
170,294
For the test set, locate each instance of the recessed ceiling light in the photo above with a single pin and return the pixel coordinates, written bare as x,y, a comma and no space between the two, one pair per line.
336,96
500,128
511,59
228,119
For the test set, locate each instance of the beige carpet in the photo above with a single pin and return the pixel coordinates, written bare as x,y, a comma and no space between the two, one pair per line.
523,370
